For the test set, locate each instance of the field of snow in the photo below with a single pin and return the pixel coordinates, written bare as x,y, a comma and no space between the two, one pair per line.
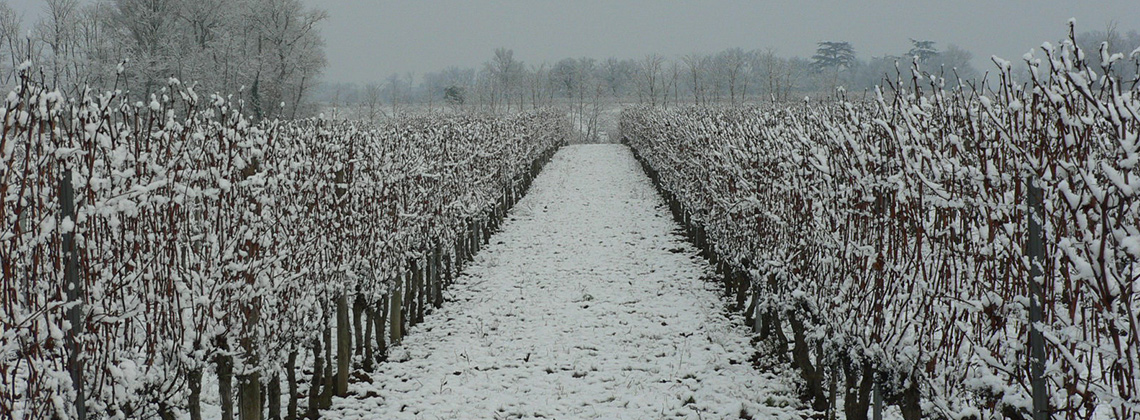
588,304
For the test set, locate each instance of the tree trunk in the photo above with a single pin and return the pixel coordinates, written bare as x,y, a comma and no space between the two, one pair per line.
911,404
249,396
408,311
291,377
764,324
778,335
750,313
343,347
165,412
225,369
194,405
729,282
740,279
476,231
420,285
263,399
330,379
448,276
396,330
460,256
370,314
273,396
859,381
833,393
317,381
436,277
358,305
380,320
801,358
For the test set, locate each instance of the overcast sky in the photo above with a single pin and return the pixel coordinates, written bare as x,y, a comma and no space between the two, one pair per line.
371,39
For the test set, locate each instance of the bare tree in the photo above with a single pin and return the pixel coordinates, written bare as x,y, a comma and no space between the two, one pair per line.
732,63
148,25
614,73
778,73
584,75
697,65
291,51
395,90
372,101
536,80
674,83
203,20
57,31
505,73
651,78
10,43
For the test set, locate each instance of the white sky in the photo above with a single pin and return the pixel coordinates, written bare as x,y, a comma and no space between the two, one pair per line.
371,39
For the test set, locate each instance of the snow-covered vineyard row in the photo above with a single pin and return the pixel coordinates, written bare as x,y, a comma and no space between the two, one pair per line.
210,246
892,239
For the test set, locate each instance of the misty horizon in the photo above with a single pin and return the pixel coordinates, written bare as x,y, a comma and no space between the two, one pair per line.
422,37
368,41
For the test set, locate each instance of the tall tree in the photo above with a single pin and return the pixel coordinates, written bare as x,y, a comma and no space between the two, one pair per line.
149,28
733,63
652,82
955,61
505,73
778,73
923,50
696,64
11,51
291,53
619,75
833,55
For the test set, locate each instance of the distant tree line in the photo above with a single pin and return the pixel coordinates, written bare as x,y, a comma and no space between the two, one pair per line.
731,76
270,52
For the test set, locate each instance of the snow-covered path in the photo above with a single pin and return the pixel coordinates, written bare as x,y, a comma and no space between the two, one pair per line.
588,304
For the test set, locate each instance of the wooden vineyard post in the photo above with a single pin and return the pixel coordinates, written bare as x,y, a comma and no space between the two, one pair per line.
369,323
436,277
381,320
1035,251
740,281
877,412
273,396
343,346
291,377
418,270
407,312
359,309
477,236
249,396
316,382
74,295
448,265
486,233
225,371
460,254
396,318
476,229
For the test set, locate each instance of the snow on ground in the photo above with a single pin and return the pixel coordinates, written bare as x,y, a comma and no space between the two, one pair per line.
588,304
